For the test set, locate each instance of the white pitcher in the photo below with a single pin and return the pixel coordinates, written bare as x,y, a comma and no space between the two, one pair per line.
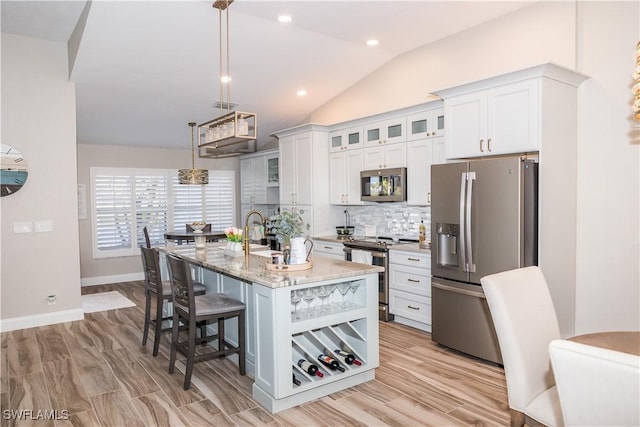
299,252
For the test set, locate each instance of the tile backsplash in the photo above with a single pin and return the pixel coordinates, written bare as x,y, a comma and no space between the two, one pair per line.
391,219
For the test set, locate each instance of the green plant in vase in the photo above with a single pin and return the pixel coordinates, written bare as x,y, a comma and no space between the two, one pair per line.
286,225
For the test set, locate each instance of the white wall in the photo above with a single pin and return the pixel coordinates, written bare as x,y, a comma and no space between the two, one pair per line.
608,229
108,270
38,119
597,39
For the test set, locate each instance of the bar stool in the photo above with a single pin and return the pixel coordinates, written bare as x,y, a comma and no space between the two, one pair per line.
197,310
154,286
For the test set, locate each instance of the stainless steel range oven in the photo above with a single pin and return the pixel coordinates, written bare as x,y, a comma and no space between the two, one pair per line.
378,249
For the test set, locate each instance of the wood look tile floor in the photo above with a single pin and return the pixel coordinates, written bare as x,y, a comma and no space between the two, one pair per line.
97,370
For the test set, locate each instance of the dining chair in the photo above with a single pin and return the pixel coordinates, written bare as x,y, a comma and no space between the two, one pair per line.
597,386
196,311
206,228
525,322
146,236
155,288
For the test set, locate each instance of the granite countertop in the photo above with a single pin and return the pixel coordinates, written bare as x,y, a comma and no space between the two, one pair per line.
410,247
324,268
332,239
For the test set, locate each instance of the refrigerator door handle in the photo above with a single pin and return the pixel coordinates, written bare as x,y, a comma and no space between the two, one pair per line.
458,290
463,249
471,176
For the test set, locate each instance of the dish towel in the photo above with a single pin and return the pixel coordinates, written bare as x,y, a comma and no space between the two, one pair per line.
363,257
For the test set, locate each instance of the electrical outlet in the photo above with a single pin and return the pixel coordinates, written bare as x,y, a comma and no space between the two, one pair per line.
51,299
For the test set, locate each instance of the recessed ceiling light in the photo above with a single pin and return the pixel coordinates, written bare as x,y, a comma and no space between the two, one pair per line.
301,92
372,42
284,18
225,79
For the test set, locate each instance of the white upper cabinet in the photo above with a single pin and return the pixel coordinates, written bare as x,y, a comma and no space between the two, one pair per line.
296,169
385,156
425,124
501,120
420,156
388,131
344,177
345,139
253,179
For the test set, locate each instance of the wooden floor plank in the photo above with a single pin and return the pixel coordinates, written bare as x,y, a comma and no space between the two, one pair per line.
114,409
65,387
29,392
133,378
23,356
51,344
156,410
95,374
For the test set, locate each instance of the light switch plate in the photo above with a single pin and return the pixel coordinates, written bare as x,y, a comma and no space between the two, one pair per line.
44,226
23,227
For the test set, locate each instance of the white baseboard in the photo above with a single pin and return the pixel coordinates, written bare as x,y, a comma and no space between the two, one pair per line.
104,280
24,322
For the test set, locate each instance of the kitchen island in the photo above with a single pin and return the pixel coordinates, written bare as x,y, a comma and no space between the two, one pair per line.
278,336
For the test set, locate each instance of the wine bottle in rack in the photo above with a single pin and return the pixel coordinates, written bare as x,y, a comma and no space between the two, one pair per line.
330,362
295,380
347,358
310,368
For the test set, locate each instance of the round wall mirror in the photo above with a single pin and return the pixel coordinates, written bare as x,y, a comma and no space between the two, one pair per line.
14,171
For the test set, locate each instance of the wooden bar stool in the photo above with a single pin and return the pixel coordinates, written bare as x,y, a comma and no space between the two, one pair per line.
197,310
154,286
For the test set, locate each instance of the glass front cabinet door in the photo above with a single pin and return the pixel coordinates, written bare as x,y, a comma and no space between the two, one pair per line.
425,124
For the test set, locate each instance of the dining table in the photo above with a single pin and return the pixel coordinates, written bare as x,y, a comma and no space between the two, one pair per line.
623,341
180,236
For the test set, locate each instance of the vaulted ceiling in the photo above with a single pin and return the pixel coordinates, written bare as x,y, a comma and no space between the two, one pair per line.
144,69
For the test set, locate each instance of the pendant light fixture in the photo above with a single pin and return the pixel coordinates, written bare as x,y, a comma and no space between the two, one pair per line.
231,128
193,175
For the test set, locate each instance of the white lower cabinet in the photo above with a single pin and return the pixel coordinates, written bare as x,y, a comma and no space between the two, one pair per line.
410,288
330,249
282,340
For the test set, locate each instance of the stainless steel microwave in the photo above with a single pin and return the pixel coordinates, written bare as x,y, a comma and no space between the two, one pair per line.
383,185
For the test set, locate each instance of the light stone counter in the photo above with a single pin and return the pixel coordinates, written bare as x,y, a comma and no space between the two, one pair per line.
411,247
254,271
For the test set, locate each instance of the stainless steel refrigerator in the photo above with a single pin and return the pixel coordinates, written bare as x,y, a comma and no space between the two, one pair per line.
483,221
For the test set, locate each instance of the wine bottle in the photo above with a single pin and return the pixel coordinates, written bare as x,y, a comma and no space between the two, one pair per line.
295,380
347,358
330,362
310,368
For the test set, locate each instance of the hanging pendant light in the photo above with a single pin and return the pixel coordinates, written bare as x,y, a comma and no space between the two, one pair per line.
232,127
193,175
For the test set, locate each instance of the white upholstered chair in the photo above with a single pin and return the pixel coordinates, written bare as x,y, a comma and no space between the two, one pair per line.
597,386
525,322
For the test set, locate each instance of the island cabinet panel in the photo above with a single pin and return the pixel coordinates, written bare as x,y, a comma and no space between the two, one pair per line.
286,336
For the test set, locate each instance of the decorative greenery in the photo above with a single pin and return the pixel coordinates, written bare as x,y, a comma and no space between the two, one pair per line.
287,225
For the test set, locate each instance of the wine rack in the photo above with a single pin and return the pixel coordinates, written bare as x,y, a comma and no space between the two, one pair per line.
283,339
347,336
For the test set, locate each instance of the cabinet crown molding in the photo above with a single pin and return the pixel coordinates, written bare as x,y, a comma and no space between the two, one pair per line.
549,70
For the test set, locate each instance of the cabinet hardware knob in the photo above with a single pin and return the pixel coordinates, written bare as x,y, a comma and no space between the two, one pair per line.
429,198
413,308
413,259
413,280
489,144
328,247
481,149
